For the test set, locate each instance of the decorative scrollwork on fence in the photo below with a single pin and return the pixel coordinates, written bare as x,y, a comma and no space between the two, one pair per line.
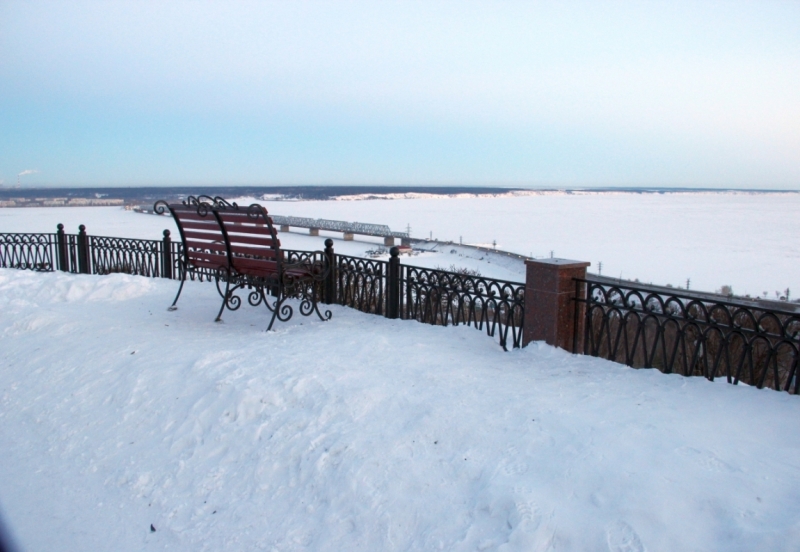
28,251
127,256
444,298
692,336
361,283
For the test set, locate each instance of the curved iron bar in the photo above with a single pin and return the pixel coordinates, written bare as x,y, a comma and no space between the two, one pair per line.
645,328
160,207
28,251
256,297
444,298
361,283
304,273
123,255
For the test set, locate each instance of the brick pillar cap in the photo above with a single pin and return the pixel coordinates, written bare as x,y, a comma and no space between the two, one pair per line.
558,263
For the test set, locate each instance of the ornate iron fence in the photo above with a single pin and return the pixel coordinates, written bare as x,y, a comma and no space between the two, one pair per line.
361,283
84,254
690,335
377,287
128,256
637,325
444,298
29,251
431,296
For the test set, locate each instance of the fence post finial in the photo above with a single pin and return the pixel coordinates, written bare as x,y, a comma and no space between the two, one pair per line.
83,250
166,256
393,284
329,292
61,248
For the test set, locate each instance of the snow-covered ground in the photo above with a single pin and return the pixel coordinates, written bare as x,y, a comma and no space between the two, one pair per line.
361,433
745,240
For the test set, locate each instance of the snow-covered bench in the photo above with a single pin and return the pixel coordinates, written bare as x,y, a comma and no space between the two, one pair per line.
240,247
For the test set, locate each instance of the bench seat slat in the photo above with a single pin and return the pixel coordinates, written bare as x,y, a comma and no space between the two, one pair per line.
208,263
255,267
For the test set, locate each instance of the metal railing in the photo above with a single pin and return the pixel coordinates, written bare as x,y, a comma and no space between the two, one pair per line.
689,335
437,297
385,288
451,298
29,252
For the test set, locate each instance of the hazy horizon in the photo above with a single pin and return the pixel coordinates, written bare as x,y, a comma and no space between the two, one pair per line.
409,188
513,94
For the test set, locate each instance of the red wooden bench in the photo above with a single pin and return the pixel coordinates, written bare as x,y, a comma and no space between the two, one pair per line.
238,246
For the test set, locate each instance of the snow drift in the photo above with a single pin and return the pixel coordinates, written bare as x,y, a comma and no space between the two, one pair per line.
361,433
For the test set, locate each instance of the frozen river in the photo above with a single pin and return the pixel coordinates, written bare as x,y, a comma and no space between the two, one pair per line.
749,241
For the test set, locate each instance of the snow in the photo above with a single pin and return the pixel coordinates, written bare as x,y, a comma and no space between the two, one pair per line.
361,433
744,240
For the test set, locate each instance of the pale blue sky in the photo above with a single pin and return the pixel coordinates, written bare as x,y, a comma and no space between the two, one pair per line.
497,93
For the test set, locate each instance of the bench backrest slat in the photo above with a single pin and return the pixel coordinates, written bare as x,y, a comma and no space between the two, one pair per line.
197,247
253,242
261,252
229,237
202,236
256,240
206,226
246,229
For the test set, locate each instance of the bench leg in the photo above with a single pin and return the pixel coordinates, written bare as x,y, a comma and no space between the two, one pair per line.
311,304
262,297
172,307
225,297
274,314
280,310
315,301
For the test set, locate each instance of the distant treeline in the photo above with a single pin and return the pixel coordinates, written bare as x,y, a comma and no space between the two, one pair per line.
151,194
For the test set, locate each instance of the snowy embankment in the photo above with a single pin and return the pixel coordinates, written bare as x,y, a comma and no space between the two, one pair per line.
361,433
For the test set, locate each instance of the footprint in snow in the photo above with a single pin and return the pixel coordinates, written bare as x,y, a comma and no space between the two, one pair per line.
706,459
622,538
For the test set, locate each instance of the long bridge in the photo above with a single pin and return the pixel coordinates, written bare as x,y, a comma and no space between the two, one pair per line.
348,229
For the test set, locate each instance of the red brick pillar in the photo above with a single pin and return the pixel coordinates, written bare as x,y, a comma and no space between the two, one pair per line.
549,307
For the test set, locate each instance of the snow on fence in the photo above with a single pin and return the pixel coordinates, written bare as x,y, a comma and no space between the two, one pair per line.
641,326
